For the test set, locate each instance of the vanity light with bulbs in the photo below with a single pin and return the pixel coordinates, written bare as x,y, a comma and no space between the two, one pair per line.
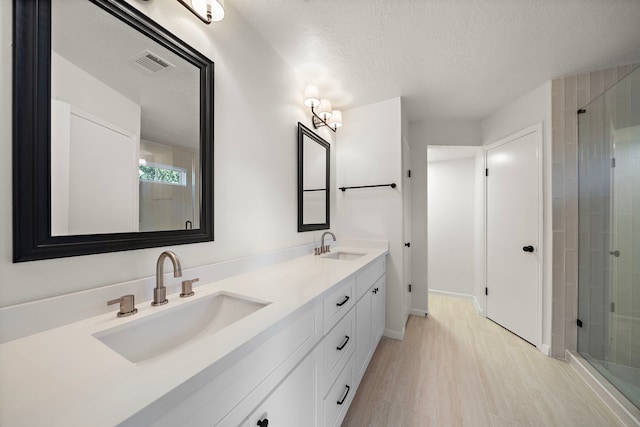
206,10
322,113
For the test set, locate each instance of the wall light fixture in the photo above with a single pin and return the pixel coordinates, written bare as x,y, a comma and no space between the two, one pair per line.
322,113
206,10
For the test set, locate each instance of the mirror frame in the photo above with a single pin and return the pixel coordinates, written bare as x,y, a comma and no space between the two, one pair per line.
302,132
31,106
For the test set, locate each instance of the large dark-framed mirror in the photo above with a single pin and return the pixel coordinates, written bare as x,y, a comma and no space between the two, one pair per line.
314,154
112,132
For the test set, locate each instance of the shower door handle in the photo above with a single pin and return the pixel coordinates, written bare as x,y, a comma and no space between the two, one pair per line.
528,248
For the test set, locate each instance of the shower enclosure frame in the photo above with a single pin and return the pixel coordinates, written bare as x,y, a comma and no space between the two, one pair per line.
609,193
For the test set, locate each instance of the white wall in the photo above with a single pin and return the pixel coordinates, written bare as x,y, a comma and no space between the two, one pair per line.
421,135
451,229
369,152
75,86
531,108
258,102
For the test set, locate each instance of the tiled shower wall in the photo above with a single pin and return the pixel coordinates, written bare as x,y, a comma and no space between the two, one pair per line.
568,95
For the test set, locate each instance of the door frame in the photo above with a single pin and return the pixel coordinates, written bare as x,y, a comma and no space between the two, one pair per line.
407,279
538,129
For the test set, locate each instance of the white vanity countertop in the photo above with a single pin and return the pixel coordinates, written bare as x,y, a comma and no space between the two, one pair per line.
67,377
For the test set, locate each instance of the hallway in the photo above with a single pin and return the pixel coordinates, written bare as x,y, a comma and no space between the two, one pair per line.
456,368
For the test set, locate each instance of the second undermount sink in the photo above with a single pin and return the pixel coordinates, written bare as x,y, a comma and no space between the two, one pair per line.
156,334
345,256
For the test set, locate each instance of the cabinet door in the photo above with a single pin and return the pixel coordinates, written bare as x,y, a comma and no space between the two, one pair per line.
378,311
363,333
296,401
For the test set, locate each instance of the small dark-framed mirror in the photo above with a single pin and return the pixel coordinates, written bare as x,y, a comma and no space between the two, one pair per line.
59,46
313,180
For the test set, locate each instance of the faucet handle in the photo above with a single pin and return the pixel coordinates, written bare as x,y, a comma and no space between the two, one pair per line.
187,289
127,305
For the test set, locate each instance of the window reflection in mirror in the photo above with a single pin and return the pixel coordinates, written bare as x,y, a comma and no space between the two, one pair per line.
313,181
119,101
169,194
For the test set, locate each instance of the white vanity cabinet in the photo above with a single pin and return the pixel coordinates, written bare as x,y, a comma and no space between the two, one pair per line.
295,361
305,374
370,315
339,345
344,360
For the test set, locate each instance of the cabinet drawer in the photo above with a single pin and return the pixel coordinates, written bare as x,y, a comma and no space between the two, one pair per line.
339,397
367,277
338,346
338,304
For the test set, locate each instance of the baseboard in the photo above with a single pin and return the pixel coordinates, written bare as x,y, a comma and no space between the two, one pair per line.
628,414
418,312
471,297
451,294
479,309
545,349
394,334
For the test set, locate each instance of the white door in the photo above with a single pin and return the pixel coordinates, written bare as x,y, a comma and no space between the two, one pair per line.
99,158
513,207
406,228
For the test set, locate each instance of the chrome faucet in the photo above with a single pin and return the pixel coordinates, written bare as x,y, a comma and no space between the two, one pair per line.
160,292
327,248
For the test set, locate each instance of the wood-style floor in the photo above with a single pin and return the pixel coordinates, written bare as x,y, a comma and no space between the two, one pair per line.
456,368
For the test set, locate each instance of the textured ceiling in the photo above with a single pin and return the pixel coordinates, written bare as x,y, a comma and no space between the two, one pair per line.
461,59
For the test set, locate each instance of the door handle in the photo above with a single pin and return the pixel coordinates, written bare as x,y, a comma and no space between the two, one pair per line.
344,301
408,244
340,347
528,248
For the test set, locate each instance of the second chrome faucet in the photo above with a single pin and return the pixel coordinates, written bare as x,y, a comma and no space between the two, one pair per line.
160,292
325,248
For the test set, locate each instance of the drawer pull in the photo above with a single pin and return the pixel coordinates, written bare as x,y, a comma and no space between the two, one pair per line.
344,301
344,343
341,401
263,422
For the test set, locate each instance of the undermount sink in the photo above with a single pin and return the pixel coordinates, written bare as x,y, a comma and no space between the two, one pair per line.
156,334
345,256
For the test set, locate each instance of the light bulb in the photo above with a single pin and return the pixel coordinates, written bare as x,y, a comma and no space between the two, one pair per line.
311,97
336,119
215,7
324,111
217,10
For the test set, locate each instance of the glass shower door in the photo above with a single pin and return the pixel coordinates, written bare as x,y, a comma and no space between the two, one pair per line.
609,235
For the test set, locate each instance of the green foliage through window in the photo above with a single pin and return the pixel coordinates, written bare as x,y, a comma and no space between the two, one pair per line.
162,175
